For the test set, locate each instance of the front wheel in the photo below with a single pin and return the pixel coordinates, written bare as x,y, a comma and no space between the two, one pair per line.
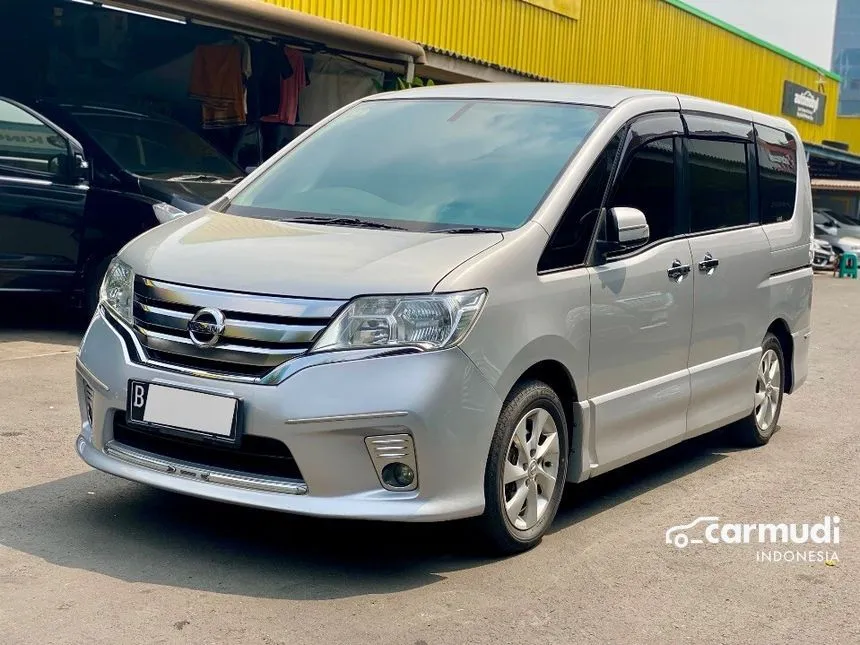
526,469
759,427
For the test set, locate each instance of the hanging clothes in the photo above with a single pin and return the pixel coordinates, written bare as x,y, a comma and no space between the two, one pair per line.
271,68
291,88
334,83
218,76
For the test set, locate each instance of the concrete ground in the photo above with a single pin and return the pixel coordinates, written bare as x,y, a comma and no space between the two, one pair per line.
86,558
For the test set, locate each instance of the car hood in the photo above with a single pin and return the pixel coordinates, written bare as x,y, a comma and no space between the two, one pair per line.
235,253
185,195
848,242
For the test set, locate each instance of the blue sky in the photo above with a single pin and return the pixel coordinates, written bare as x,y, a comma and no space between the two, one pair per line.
803,27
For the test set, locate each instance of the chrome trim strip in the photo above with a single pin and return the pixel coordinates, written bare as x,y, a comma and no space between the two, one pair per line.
141,357
235,327
25,180
197,472
285,307
89,376
270,333
350,417
725,360
264,356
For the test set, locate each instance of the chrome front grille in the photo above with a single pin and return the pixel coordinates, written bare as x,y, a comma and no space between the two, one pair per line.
260,332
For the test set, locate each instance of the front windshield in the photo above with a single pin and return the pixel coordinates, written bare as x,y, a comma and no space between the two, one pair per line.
156,147
425,164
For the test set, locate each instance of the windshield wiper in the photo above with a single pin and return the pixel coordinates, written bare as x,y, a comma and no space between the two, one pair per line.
208,178
345,221
468,229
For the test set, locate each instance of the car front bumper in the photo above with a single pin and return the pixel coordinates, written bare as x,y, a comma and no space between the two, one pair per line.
322,414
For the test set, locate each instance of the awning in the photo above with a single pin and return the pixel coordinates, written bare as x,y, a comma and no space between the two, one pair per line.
266,19
831,163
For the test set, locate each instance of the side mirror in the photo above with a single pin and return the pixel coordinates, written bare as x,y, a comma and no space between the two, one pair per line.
630,226
623,229
250,169
80,167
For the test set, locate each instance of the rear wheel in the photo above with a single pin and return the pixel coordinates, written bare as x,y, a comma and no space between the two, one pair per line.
526,469
759,427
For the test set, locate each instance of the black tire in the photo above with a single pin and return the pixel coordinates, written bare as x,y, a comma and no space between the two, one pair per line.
92,284
748,431
501,535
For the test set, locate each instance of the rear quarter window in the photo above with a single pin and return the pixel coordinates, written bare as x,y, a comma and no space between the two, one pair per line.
777,168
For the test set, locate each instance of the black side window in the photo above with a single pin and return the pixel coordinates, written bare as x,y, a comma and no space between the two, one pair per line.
777,172
719,184
571,239
647,182
28,146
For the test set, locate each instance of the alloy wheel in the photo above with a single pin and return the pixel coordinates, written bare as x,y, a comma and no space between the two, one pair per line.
531,469
768,390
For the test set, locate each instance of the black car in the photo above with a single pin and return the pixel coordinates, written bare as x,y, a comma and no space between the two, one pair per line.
78,181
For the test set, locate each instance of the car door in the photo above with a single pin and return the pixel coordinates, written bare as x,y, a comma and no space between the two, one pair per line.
641,307
41,203
731,270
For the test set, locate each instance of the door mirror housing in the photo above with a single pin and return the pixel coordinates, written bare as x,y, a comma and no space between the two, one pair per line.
80,167
630,227
623,229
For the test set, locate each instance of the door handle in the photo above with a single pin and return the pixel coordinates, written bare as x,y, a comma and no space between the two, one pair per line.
708,264
678,270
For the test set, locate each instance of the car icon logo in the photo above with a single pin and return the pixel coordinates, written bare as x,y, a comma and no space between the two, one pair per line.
677,534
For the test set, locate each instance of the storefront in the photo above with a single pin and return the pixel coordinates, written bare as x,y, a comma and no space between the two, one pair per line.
245,75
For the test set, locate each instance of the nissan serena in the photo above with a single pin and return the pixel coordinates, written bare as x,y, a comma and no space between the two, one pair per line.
447,302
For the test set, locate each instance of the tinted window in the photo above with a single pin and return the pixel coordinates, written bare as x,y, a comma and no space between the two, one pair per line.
425,164
647,182
777,160
572,237
719,184
155,147
27,144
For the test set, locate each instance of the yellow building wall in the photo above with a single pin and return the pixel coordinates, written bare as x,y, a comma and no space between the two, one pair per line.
655,44
848,131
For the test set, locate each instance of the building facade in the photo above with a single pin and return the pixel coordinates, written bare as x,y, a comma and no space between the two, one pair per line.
660,44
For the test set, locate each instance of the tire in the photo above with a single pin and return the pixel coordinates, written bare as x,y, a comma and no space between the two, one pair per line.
534,412
92,284
761,424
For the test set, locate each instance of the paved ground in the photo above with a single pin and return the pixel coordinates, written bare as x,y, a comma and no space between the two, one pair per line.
85,558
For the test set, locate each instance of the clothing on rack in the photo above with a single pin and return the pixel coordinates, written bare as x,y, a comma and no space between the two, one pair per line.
271,68
334,83
218,76
291,88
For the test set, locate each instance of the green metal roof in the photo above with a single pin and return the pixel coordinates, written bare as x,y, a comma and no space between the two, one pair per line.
683,6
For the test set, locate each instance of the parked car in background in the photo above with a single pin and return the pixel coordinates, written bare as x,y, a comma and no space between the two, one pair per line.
835,225
834,237
79,181
454,325
823,256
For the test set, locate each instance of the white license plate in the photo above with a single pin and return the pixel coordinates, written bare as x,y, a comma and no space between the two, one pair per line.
178,409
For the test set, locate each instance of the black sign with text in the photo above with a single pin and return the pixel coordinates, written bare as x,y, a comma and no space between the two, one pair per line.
802,103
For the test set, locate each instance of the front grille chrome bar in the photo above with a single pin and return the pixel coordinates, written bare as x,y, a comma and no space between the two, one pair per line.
260,332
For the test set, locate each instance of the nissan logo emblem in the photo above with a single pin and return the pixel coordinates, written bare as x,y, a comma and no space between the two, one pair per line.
206,327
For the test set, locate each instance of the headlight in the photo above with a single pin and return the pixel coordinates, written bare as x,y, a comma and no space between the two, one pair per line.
166,212
117,290
434,321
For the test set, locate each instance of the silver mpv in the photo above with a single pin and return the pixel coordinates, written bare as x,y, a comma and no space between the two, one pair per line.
448,302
